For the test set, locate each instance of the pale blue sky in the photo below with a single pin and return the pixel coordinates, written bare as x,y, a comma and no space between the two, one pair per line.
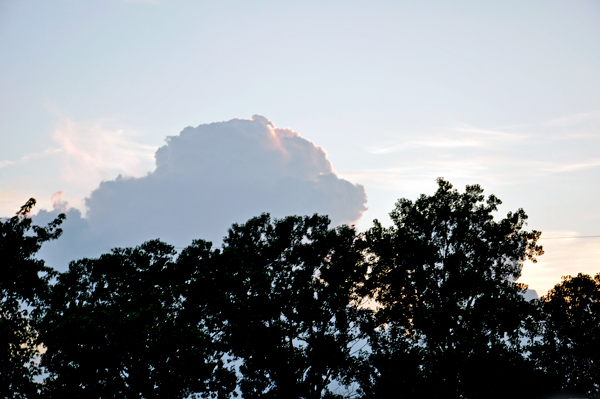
505,94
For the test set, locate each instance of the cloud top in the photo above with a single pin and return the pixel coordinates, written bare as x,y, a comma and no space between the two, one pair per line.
213,175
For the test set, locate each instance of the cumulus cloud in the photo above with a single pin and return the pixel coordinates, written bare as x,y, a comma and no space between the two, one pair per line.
76,242
207,178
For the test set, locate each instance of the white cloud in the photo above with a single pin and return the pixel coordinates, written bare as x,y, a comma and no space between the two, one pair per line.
80,156
550,169
462,136
501,155
94,152
574,166
206,178
42,154
28,157
6,163
487,136
58,204
434,143
580,126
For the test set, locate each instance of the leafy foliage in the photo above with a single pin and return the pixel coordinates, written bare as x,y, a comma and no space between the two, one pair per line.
284,301
445,277
23,284
113,329
429,307
569,350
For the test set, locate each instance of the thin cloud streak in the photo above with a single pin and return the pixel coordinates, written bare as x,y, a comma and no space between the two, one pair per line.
93,153
6,163
575,119
494,135
458,137
539,167
42,154
28,157
574,167
473,152
441,143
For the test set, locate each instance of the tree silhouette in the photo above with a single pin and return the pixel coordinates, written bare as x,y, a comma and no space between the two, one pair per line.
113,330
569,350
445,278
23,284
279,311
284,303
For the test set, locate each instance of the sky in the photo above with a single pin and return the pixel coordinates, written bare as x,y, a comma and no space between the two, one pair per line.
177,118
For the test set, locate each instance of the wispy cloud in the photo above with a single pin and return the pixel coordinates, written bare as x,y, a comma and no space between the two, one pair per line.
58,204
6,163
575,119
487,135
571,167
28,157
93,152
460,136
510,153
580,126
42,154
439,143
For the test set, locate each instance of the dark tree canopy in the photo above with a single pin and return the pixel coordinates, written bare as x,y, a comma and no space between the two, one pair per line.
569,350
291,308
113,330
284,301
23,284
445,278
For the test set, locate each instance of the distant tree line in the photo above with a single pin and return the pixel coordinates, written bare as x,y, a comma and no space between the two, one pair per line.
291,308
